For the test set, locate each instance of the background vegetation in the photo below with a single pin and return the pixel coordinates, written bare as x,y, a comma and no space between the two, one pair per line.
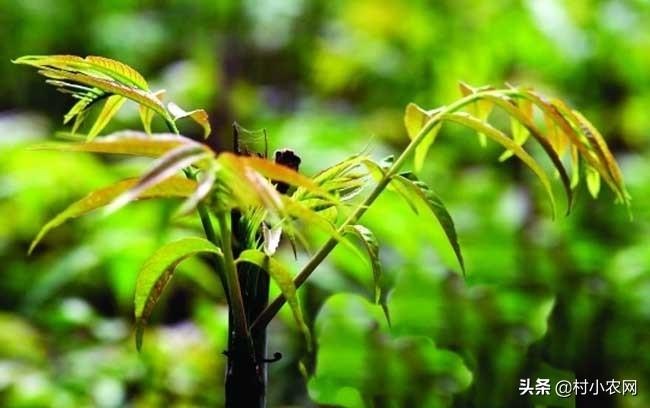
568,298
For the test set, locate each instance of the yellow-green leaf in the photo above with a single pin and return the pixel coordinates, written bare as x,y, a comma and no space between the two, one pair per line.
146,114
523,113
111,106
593,181
480,108
118,71
519,135
156,273
283,279
199,116
91,65
172,187
466,119
415,118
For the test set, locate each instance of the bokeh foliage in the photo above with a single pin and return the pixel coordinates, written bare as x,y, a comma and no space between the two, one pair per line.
328,78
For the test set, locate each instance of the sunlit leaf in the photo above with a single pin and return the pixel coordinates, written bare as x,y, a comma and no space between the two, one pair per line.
111,106
156,273
101,66
127,142
172,187
414,192
96,73
283,279
118,71
199,116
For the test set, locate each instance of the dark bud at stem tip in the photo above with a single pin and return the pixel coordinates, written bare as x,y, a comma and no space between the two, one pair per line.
286,157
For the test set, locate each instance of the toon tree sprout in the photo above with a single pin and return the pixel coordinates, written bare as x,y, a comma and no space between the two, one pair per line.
247,203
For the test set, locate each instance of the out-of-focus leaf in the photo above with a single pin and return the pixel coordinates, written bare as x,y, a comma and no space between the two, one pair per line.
369,241
199,116
127,142
414,192
146,114
111,106
283,279
172,187
593,181
498,136
164,167
157,272
205,184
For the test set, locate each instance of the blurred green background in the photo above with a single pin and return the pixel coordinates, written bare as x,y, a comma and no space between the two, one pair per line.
565,298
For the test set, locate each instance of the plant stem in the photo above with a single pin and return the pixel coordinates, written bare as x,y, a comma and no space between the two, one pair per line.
232,280
272,309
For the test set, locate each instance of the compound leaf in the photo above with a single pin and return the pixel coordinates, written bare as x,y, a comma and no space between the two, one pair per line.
156,273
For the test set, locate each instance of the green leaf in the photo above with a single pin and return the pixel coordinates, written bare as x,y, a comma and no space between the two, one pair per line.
466,119
369,241
164,168
127,142
199,116
283,279
156,273
111,106
414,192
415,118
172,187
